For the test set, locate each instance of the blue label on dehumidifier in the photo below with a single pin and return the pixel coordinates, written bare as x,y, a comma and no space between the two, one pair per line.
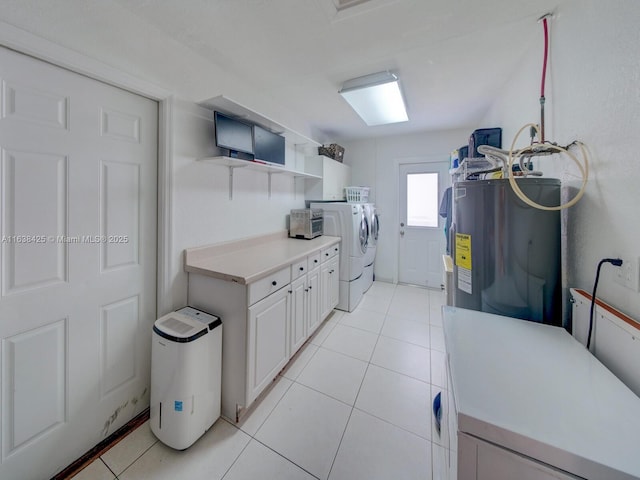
177,406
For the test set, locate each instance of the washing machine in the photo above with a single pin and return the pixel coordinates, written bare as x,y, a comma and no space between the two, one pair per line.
348,221
370,256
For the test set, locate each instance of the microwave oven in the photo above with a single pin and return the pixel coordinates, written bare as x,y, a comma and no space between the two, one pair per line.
306,223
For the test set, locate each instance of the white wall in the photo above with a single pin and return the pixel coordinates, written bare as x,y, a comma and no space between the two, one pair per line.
203,214
592,96
374,163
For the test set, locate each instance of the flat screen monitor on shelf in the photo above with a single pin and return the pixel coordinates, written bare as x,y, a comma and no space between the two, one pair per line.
233,135
268,146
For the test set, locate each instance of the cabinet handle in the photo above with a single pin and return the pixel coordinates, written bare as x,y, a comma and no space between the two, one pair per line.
290,291
274,283
315,261
306,289
302,269
335,249
326,254
310,288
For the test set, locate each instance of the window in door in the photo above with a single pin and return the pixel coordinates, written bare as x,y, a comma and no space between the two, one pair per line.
422,200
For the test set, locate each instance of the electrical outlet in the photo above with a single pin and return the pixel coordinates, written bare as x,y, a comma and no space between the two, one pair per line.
628,274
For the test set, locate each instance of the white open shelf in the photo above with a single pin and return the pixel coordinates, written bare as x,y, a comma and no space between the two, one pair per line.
257,166
470,165
227,106
270,169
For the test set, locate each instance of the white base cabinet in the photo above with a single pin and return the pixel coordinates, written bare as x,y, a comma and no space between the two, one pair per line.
266,322
268,341
299,293
329,292
480,460
313,301
531,403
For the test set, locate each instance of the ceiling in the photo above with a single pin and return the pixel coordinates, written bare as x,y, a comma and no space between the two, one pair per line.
452,56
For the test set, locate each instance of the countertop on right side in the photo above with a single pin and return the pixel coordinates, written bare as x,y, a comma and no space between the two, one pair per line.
534,389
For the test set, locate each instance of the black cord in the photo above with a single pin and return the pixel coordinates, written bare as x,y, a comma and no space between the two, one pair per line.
613,261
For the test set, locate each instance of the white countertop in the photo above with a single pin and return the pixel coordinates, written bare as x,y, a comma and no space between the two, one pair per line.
534,389
247,260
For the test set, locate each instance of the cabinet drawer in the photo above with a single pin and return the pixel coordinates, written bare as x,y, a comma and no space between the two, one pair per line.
314,260
271,283
330,252
298,269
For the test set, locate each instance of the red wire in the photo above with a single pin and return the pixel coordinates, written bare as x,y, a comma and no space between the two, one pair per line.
546,53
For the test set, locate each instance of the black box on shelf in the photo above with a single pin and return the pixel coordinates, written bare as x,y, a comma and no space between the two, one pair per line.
463,152
484,136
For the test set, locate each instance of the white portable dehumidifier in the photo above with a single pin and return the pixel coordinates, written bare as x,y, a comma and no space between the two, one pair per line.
186,362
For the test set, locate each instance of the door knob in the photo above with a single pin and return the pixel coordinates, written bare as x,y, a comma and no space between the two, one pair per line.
402,224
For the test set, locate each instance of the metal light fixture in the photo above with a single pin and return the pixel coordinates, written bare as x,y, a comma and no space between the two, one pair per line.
376,98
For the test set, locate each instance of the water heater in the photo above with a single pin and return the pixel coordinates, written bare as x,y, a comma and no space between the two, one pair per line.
507,254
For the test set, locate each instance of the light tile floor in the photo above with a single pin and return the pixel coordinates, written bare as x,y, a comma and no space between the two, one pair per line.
353,404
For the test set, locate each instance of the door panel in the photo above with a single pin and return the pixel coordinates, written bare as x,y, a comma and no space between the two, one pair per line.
267,340
118,324
78,257
34,363
30,260
119,214
421,238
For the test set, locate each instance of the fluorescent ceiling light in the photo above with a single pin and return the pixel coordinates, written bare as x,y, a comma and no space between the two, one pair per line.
376,98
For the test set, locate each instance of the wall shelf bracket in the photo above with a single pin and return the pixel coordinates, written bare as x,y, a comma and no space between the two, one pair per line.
233,163
231,169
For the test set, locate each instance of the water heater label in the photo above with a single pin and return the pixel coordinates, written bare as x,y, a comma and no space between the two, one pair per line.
464,280
177,406
463,250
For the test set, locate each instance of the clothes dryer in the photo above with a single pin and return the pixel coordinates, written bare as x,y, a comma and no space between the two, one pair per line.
348,221
370,256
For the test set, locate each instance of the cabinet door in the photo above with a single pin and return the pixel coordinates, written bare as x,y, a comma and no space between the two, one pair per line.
325,290
484,461
330,286
334,282
298,331
313,301
268,343
332,180
335,177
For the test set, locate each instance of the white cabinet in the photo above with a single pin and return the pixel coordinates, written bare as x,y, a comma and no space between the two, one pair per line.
334,282
329,291
265,321
267,343
305,300
480,460
313,301
551,409
335,177
268,285
298,321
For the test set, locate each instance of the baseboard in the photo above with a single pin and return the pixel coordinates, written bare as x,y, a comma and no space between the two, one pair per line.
103,446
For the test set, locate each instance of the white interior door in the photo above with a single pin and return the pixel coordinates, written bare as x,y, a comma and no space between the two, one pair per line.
421,230
78,262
